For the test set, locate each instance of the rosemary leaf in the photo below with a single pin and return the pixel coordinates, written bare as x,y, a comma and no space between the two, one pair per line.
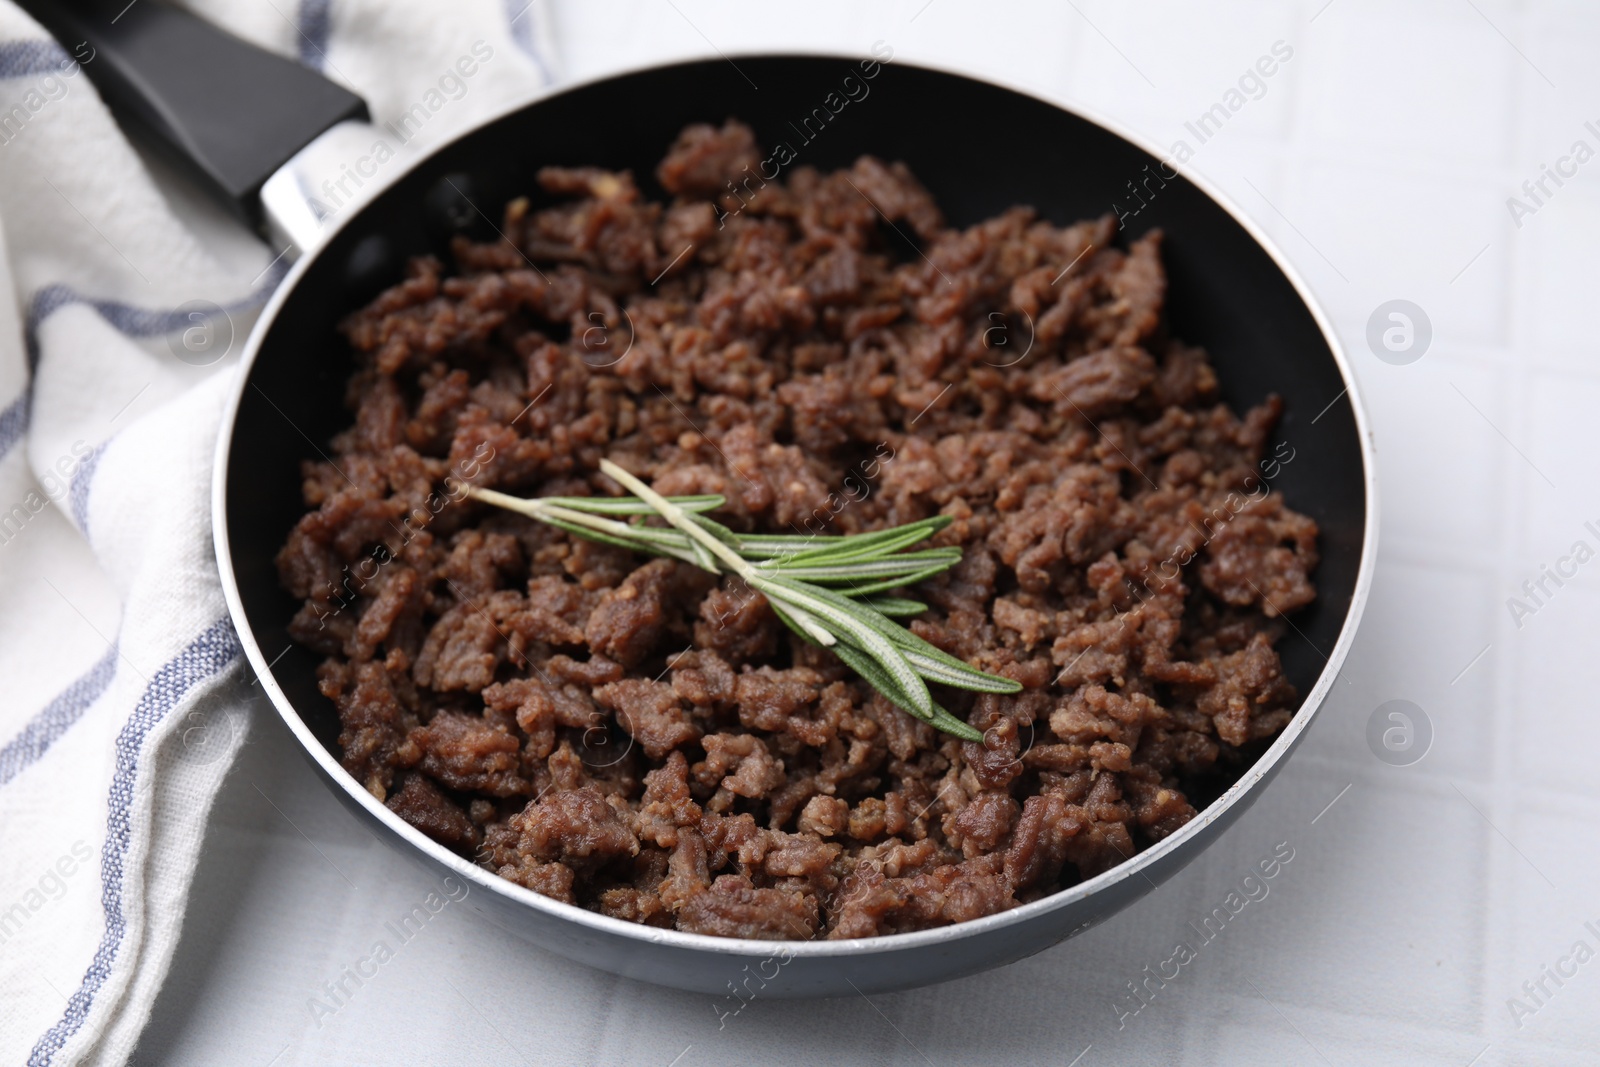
896,583
703,558
875,544
925,657
780,546
893,606
943,720
609,539
803,624
971,678
910,563
937,716
632,505
851,625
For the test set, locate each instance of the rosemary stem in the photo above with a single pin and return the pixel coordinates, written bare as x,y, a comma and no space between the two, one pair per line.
543,509
677,517
736,563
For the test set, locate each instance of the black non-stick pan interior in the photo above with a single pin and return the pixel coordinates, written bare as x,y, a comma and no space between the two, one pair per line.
978,148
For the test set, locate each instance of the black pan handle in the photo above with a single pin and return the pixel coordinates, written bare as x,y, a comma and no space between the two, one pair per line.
229,110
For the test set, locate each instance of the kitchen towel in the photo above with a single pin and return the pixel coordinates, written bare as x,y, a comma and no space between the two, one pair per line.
125,301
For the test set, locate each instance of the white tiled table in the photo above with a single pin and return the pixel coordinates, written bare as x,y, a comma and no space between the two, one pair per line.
1380,157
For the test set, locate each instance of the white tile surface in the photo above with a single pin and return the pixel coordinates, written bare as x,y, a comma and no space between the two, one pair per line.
1396,232
1412,83
1417,902
1556,256
1453,607
1430,438
1554,657
1560,436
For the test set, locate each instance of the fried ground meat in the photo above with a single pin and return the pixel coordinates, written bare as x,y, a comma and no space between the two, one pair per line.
638,737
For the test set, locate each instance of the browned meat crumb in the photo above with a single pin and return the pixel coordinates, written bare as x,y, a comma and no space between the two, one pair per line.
643,739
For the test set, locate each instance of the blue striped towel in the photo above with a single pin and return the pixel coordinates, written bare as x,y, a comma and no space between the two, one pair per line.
125,698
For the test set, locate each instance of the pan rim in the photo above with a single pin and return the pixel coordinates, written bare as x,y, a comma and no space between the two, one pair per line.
1139,864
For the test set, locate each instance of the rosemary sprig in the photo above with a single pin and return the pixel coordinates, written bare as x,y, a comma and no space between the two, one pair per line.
829,590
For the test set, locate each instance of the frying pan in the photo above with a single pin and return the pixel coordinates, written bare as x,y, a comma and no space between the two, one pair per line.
237,114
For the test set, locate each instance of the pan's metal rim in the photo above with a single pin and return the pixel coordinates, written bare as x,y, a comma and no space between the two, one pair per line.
744,947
